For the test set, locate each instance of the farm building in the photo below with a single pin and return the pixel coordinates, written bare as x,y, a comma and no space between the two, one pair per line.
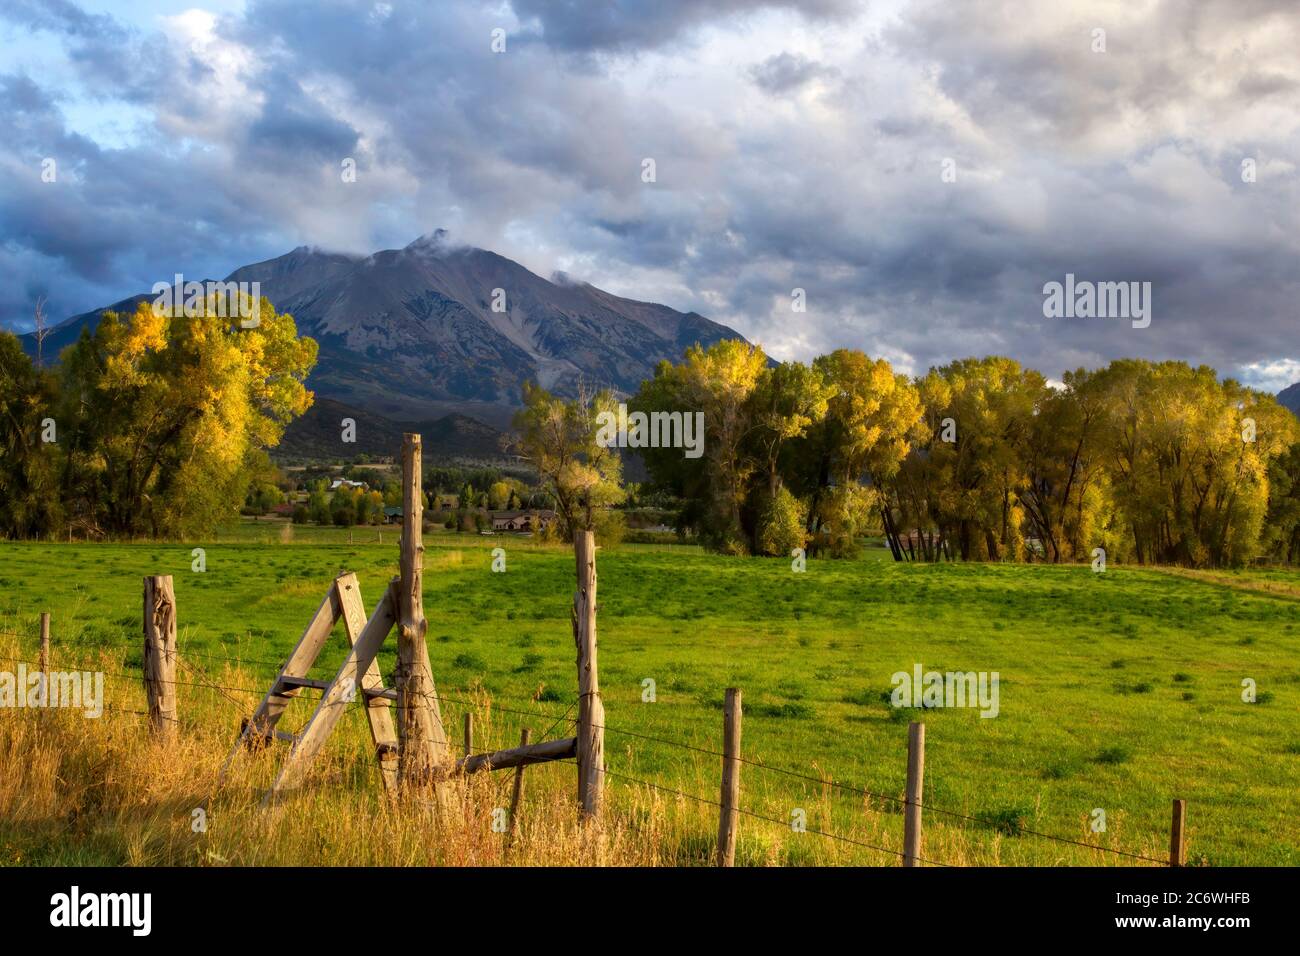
532,520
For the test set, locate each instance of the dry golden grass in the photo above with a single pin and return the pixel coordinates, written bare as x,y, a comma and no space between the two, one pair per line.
80,791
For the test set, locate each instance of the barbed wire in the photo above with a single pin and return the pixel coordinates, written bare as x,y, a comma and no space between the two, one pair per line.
759,816
1016,829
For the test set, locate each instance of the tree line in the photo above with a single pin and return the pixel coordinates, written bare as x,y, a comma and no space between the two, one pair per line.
979,460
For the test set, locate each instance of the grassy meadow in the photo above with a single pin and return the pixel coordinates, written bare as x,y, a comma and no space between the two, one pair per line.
1119,691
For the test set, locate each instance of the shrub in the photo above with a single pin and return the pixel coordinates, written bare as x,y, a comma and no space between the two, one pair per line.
781,524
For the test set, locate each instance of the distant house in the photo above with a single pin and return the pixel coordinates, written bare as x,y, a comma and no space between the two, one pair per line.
392,515
531,520
338,483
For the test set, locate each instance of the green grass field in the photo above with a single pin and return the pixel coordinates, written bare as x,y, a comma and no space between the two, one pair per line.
1119,691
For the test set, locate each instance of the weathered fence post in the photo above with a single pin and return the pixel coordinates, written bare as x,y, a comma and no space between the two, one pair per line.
423,739
469,734
160,654
591,712
730,813
45,646
518,793
1178,835
45,660
915,777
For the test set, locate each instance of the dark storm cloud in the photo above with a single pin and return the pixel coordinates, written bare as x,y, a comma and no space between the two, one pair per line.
293,123
622,25
786,71
779,165
64,17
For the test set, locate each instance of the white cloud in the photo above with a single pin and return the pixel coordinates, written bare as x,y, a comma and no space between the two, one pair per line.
1271,376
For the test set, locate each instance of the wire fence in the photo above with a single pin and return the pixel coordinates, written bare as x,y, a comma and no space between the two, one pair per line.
202,680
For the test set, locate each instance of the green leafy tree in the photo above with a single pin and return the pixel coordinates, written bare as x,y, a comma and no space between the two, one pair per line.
30,505
560,438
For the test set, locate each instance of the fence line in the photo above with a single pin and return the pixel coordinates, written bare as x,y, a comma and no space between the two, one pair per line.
204,682
759,816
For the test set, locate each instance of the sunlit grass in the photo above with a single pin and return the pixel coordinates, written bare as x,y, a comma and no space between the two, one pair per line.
1118,691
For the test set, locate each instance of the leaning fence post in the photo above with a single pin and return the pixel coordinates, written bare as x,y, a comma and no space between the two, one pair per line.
160,654
730,812
1178,835
591,712
915,777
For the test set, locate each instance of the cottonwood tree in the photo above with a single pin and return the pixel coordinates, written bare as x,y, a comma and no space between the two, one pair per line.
167,417
559,438
719,382
1066,489
873,415
1187,487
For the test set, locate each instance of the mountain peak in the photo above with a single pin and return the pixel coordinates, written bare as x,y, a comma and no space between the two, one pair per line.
437,242
441,327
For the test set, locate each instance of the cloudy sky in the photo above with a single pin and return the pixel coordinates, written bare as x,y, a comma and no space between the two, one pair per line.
797,144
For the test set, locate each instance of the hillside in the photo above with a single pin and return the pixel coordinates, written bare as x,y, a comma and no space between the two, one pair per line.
1290,397
317,435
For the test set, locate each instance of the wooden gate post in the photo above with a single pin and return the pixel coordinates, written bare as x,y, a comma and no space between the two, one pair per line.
423,739
160,654
591,712
915,778
1178,835
730,813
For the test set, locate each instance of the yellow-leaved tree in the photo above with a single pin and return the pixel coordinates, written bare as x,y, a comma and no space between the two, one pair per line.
167,416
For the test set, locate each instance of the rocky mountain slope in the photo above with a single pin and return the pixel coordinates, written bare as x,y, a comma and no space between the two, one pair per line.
412,334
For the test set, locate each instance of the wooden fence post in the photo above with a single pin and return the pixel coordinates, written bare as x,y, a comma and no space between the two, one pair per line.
423,739
591,712
1178,835
915,778
469,734
45,659
517,794
730,813
45,646
160,654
